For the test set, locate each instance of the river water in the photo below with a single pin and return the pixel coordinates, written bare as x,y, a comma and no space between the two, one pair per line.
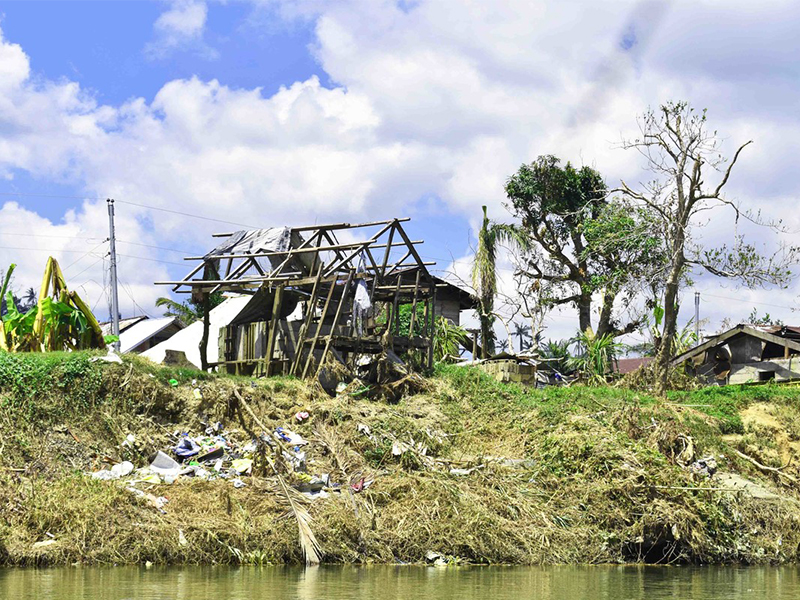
401,582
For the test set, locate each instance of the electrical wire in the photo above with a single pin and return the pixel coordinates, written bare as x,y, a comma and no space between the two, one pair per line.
147,206
44,235
89,267
166,262
184,214
127,290
156,247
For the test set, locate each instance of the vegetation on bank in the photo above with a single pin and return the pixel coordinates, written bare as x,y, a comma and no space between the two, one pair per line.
490,473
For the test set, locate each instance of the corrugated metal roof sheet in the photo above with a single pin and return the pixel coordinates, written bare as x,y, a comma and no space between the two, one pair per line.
143,330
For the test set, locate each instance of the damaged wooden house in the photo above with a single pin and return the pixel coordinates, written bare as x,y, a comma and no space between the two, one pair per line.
339,295
745,354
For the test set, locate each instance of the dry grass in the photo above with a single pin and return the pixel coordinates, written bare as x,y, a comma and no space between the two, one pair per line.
604,481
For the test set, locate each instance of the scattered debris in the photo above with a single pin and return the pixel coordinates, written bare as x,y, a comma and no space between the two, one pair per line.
705,466
466,471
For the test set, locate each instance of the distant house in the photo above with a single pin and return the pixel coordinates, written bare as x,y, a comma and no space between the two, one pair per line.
187,341
746,354
629,365
451,299
137,334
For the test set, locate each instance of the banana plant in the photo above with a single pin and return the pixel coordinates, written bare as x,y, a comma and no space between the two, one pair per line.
60,320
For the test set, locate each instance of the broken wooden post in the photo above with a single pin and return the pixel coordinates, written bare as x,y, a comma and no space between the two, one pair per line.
206,303
319,328
301,338
335,321
273,327
414,307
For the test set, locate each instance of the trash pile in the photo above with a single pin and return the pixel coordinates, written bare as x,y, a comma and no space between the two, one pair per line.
217,454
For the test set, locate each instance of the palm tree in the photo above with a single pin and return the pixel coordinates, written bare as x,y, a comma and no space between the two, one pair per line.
503,345
484,272
30,299
523,332
186,313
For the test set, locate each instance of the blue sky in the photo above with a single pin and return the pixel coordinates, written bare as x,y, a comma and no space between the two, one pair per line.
104,47
268,112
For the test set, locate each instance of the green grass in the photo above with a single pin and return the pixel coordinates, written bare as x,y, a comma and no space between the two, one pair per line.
601,469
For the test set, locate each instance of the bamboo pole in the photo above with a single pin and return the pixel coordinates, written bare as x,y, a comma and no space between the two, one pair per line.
319,328
273,327
335,321
301,339
414,308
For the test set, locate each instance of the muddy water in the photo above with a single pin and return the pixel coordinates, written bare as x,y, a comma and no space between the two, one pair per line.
407,583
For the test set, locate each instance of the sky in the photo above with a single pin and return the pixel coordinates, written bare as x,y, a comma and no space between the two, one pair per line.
202,116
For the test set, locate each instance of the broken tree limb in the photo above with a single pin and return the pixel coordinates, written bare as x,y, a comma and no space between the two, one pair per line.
765,468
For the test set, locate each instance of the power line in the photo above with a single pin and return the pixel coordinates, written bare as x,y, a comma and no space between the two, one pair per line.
126,288
156,247
86,254
702,294
166,262
43,235
150,207
43,249
184,214
89,267
28,195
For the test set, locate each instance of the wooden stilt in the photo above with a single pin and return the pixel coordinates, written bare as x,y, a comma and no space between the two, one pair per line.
319,328
301,338
273,327
206,327
414,308
335,321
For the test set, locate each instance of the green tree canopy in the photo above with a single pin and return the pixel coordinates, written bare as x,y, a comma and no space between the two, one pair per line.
583,245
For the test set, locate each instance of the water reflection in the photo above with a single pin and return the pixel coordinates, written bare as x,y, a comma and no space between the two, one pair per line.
400,582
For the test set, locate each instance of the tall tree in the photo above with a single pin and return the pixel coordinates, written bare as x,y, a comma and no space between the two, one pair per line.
484,272
682,152
583,244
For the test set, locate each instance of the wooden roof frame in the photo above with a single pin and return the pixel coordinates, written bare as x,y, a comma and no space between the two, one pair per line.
742,329
243,273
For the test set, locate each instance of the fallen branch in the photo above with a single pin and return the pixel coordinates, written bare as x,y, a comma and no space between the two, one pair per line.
765,468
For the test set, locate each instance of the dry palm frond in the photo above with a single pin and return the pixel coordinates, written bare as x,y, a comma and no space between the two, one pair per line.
308,542
337,448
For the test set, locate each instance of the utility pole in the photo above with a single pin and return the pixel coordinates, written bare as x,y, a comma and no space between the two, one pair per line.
113,269
697,316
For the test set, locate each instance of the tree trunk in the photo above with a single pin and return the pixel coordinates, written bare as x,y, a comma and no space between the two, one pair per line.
487,336
662,366
604,325
206,326
585,312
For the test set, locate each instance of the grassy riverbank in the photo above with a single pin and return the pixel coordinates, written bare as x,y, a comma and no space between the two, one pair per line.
576,475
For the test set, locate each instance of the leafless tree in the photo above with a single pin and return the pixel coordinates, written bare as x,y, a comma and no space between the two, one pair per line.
680,152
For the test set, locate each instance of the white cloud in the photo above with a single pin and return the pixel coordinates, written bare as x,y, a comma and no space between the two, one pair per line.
435,98
181,27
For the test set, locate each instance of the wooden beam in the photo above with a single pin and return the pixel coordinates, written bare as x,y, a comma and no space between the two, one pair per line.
335,321
361,247
273,326
414,252
206,327
319,328
414,308
385,261
301,339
